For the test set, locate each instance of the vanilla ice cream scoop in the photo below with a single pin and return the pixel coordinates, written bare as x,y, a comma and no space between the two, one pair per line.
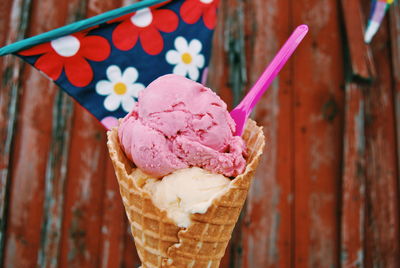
183,192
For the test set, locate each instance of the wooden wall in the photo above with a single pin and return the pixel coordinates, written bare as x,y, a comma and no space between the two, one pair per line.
325,195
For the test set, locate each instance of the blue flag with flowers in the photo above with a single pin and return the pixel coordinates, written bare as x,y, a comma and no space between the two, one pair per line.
105,61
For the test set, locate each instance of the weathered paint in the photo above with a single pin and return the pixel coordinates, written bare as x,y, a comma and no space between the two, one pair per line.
84,193
353,219
317,81
353,181
267,229
382,233
217,73
13,24
32,145
56,171
297,215
360,54
235,48
113,223
395,45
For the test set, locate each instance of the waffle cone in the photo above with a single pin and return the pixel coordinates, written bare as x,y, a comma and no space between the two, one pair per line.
159,241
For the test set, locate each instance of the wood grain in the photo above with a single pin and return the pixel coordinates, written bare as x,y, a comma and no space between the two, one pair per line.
13,25
360,55
84,193
383,249
318,134
114,225
360,71
32,146
267,227
327,190
352,250
395,56
57,166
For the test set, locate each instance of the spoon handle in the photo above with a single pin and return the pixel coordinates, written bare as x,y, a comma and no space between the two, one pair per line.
265,80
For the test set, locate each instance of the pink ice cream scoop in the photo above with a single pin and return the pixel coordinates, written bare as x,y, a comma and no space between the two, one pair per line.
179,123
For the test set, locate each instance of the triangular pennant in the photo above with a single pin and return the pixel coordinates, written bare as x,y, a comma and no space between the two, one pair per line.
105,61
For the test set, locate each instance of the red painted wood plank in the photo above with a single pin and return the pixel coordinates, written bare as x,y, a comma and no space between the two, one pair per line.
353,185
315,204
360,54
30,152
235,49
84,193
13,26
394,13
113,223
55,182
267,228
382,234
318,106
56,171
217,78
353,182
395,45
96,7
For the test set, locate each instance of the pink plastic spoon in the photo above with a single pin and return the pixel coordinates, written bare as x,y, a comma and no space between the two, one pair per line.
243,110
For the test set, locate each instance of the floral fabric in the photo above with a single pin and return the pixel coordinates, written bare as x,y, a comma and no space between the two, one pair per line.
104,68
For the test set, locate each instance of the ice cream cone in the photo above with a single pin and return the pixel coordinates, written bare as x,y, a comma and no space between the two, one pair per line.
159,241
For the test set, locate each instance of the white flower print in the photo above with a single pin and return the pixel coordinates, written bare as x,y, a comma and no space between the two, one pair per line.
120,88
186,58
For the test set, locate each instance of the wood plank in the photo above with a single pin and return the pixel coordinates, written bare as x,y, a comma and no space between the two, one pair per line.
56,171
361,69
55,178
235,49
353,186
84,193
382,234
360,54
31,150
267,229
318,109
96,7
293,210
394,13
217,78
114,225
13,25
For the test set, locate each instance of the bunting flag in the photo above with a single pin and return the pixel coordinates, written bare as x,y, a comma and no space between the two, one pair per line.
378,11
104,62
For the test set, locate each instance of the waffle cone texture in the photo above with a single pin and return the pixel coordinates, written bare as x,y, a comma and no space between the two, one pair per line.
159,241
